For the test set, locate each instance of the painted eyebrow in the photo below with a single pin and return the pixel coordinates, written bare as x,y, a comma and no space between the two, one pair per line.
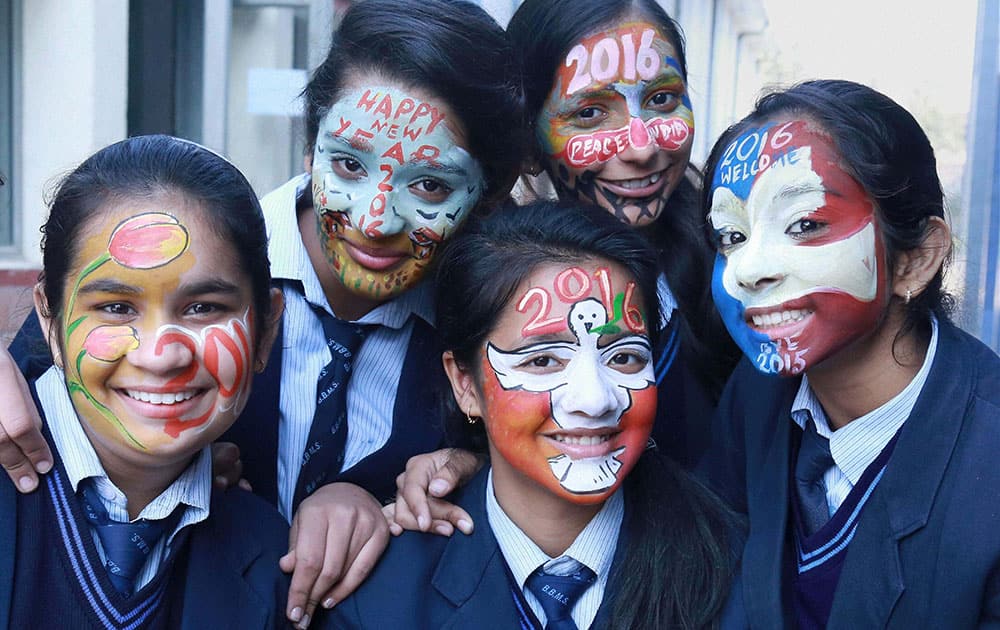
360,144
446,169
208,286
108,285
794,190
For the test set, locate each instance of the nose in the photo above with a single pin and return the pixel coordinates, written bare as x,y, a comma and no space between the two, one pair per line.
641,147
379,218
163,350
755,267
588,393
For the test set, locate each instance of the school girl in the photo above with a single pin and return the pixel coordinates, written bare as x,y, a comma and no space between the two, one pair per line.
579,524
412,119
156,302
859,433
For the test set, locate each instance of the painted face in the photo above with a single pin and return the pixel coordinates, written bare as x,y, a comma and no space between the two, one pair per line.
391,180
617,127
569,388
157,340
800,272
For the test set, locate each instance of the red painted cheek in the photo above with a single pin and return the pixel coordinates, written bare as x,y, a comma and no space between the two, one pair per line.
637,422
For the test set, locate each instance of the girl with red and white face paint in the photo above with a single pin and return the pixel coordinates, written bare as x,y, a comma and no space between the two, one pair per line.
864,422
545,311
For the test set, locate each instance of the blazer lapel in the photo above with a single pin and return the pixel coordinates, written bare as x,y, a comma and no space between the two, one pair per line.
472,574
8,547
215,573
902,501
764,554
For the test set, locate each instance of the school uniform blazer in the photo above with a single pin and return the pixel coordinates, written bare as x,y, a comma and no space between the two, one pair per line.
232,579
416,424
926,552
429,581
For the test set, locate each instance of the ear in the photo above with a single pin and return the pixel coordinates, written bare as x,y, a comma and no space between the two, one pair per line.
915,268
271,330
49,327
463,385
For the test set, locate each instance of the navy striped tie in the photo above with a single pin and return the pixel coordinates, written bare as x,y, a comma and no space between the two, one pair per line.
324,453
813,461
559,593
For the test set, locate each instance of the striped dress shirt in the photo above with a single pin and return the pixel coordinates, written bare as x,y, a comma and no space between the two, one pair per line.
855,446
593,547
371,392
193,488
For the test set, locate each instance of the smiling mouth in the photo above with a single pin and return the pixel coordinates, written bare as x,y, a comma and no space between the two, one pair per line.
160,398
779,318
636,188
582,440
374,258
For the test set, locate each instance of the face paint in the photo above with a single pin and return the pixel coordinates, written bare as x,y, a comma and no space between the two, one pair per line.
800,272
391,180
617,127
571,406
157,344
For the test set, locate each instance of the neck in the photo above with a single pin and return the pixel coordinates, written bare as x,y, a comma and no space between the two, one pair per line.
345,305
551,522
868,373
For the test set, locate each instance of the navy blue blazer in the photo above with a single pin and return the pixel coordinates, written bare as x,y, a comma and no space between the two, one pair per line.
926,553
429,581
232,578
416,424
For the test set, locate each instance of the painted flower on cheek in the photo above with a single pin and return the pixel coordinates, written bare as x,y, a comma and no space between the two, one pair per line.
110,343
147,241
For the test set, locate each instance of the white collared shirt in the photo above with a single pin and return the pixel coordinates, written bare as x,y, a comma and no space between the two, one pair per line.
371,391
193,488
593,547
857,444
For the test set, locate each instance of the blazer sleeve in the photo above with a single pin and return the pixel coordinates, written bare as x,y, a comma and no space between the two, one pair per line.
29,349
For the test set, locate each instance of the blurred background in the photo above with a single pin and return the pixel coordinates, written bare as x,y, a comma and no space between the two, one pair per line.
75,76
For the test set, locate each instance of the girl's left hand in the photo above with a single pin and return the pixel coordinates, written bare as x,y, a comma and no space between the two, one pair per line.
337,536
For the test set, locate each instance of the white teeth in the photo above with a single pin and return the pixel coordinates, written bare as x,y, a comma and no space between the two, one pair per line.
160,399
779,317
632,184
584,440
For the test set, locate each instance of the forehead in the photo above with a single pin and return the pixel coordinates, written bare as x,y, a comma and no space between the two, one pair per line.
623,52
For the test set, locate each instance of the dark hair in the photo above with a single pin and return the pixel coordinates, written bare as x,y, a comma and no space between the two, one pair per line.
542,32
884,148
145,166
451,48
678,565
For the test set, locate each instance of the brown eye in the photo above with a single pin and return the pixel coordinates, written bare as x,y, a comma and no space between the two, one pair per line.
348,168
431,190
663,101
589,116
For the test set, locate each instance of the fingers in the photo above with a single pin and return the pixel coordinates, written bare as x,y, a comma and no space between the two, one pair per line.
23,451
339,531
358,570
446,516
226,465
428,476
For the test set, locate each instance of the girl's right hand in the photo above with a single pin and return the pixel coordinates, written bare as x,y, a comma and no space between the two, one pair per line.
427,478
23,451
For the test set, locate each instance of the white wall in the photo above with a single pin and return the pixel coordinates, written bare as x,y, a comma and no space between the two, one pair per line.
72,99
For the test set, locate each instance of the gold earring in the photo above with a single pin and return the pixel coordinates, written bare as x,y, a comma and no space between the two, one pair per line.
909,294
468,415
258,366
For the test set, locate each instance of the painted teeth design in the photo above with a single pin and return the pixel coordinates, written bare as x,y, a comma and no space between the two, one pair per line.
160,399
585,440
632,184
778,318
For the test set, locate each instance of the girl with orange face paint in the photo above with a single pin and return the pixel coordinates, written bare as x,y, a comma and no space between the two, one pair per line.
550,360
156,303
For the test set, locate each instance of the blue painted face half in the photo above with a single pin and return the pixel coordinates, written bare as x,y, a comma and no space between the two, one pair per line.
800,272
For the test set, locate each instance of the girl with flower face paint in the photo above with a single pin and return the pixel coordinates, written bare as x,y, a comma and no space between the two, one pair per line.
550,360
863,420
156,303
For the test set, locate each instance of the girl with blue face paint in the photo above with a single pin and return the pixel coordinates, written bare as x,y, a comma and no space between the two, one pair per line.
863,422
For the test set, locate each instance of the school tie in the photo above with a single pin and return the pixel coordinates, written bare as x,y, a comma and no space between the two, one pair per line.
813,461
126,545
558,593
324,452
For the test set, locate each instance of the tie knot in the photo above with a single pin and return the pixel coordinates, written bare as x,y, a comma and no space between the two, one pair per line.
814,455
342,338
559,593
